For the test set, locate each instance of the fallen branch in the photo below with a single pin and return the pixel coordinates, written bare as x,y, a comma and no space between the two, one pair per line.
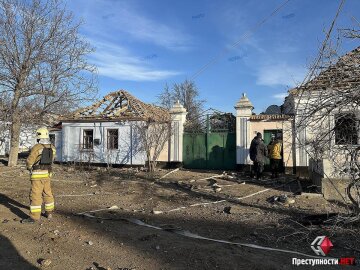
98,210
168,173
251,195
207,178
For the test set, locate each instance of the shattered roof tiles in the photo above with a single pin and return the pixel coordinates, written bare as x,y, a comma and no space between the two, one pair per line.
120,105
345,74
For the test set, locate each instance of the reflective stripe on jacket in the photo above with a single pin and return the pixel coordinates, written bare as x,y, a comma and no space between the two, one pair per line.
39,174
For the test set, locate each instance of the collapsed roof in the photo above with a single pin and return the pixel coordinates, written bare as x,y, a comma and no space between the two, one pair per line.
117,106
343,75
270,117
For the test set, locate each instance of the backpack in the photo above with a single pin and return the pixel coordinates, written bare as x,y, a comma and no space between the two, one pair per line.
46,156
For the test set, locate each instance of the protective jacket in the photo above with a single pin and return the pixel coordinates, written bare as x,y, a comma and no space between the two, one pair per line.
275,150
33,162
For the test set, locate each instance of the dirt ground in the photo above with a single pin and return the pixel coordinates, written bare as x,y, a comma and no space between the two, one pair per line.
143,231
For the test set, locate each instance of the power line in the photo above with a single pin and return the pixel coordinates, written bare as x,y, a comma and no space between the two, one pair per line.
242,39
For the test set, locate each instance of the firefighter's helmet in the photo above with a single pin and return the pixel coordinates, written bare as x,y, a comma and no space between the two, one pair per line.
42,133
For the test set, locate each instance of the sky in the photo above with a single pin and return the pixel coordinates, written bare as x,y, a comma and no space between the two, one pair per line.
142,45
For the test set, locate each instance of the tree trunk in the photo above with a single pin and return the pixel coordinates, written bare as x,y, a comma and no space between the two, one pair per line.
15,127
14,142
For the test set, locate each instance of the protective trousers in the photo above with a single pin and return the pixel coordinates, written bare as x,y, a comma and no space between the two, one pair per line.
40,189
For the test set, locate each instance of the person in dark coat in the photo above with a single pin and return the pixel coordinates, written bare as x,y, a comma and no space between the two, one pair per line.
258,152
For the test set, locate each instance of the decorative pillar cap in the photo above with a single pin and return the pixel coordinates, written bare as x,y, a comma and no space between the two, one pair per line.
177,108
244,102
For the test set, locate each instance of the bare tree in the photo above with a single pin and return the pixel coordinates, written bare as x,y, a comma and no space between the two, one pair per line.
188,95
42,62
166,99
153,137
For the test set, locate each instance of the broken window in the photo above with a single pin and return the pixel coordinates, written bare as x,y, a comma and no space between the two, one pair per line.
112,139
52,138
88,139
346,129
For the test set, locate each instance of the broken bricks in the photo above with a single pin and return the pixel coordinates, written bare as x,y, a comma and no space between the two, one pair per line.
44,262
282,199
232,210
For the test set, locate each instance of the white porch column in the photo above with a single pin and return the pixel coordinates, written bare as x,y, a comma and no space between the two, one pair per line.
65,142
243,112
178,118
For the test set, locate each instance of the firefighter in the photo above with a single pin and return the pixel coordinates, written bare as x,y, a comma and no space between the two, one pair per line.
39,163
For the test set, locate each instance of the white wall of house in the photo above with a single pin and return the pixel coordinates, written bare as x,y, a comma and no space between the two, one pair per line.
128,151
57,143
26,141
334,158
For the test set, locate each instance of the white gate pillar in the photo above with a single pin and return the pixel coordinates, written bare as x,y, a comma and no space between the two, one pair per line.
178,119
243,112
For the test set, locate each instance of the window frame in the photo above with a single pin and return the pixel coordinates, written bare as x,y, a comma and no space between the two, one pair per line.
357,128
53,142
110,145
85,144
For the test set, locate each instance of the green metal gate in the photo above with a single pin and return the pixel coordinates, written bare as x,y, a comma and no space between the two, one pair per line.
215,151
215,147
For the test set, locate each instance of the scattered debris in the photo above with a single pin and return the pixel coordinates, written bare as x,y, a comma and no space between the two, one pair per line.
251,195
216,187
90,243
56,232
232,210
156,212
207,178
283,199
169,173
227,209
121,105
44,262
196,236
113,207
225,176
311,195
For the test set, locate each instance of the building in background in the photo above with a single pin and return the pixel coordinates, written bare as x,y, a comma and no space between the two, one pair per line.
105,133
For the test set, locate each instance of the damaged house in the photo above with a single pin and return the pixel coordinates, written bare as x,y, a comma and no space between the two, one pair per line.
319,124
106,133
326,113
